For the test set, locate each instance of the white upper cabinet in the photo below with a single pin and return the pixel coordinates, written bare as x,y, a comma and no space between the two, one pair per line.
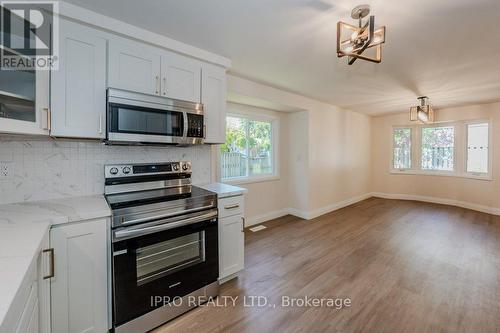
134,66
78,87
213,97
181,77
24,101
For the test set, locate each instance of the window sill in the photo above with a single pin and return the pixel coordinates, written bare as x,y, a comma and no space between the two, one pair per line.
250,180
441,174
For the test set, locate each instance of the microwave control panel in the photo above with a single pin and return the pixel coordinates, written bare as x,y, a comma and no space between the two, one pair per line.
195,126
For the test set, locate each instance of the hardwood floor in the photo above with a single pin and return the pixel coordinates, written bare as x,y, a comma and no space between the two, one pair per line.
406,267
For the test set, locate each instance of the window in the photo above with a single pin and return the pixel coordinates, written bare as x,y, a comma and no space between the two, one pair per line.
478,148
438,148
454,149
249,148
401,148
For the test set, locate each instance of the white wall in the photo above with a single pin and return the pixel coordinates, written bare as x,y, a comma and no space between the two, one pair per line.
477,194
44,168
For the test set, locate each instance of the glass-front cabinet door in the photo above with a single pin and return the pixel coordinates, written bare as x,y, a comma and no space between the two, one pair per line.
24,91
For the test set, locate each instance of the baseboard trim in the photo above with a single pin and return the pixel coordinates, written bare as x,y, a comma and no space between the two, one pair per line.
336,206
307,215
251,221
442,201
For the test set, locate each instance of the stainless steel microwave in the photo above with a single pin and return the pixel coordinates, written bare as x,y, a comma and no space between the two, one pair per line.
134,118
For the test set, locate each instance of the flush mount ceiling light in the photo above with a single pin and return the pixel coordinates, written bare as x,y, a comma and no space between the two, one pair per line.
423,112
353,41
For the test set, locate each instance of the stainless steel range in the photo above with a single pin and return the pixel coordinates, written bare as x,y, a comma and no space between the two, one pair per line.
164,243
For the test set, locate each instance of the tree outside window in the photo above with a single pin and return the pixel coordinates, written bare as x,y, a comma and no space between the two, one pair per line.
248,148
438,148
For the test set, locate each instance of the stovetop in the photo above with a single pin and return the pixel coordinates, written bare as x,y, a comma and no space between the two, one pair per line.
138,198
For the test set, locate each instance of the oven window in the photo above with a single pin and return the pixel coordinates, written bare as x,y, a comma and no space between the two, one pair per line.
146,121
161,259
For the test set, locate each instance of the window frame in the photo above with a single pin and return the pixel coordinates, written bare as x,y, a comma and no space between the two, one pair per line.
455,141
411,128
459,153
479,175
275,175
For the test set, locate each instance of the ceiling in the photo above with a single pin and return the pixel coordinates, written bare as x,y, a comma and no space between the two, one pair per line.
447,50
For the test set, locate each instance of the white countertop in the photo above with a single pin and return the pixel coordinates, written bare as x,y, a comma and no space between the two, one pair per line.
55,211
224,190
22,229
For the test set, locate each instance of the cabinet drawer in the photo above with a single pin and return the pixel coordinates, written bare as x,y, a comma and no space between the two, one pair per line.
231,206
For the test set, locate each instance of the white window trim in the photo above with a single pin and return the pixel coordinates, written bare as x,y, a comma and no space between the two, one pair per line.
274,152
459,155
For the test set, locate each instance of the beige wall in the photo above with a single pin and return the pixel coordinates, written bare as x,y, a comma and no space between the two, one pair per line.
476,192
328,153
339,157
330,157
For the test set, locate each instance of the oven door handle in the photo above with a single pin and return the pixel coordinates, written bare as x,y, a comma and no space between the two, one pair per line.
136,232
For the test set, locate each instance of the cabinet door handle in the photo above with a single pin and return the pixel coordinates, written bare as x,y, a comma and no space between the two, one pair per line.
204,131
49,120
242,224
231,206
165,90
51,270
100,124
157,84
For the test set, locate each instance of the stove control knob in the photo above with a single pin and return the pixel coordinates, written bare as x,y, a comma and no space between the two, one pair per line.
126,170
185,167
113,171
176,167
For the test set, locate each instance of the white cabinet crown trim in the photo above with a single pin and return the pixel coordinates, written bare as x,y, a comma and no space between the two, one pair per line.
127,30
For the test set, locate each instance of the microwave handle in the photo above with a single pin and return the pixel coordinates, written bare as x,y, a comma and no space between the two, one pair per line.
166,226
186,124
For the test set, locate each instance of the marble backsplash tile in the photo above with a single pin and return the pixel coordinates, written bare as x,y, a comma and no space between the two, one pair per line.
55,168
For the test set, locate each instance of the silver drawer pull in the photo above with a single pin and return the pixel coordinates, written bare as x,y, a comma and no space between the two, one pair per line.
174,285
232,206
51,256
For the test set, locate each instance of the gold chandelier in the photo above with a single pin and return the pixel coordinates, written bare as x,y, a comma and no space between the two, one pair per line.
423,112
353,41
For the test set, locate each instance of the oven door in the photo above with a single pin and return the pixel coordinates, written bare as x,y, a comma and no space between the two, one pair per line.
141,124
162,259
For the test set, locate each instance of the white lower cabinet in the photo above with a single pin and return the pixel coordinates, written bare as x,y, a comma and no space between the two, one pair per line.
231,237
43,284
79,286
29,311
